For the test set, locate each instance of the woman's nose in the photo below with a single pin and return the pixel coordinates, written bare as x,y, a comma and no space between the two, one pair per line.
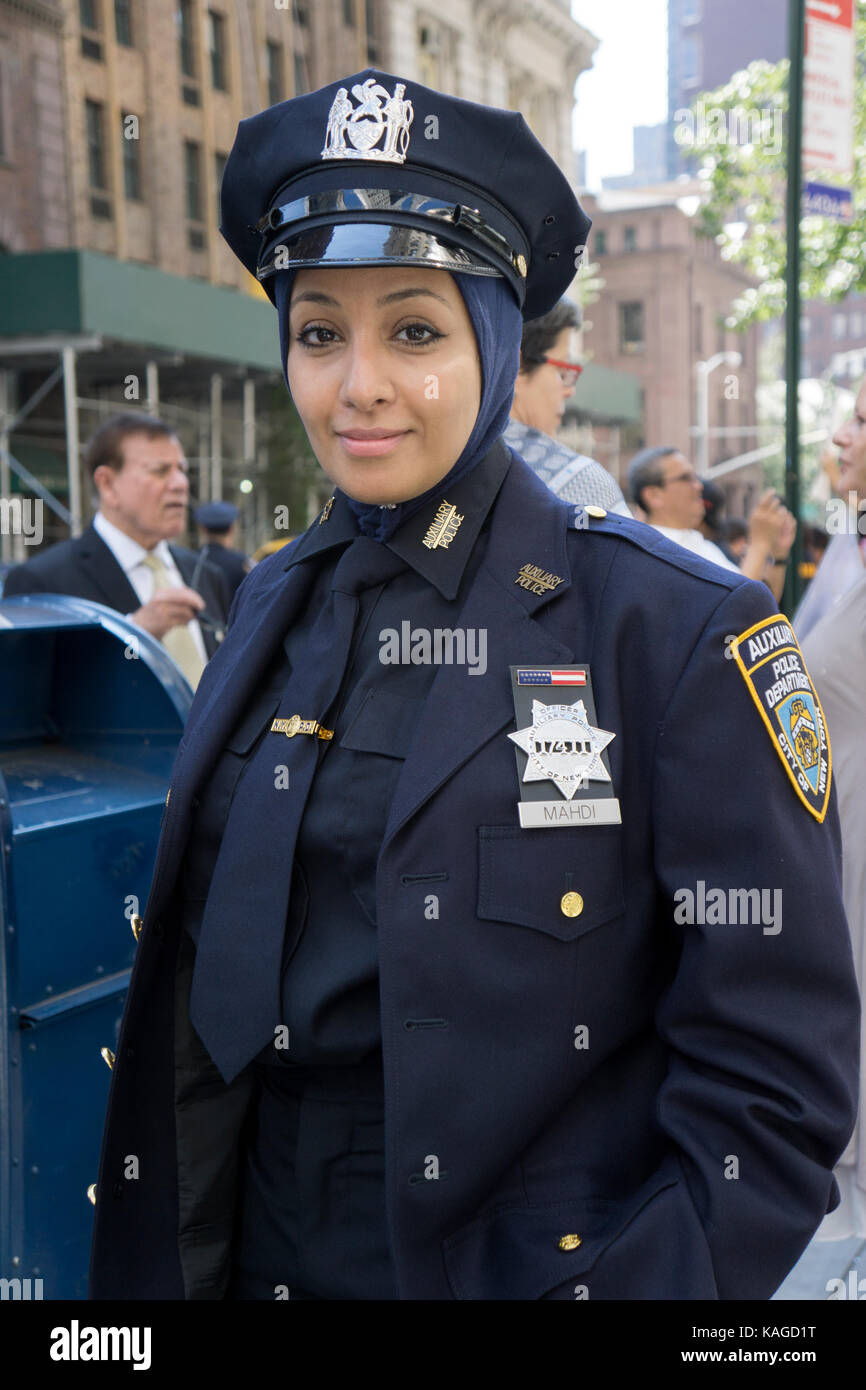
366,378
842,435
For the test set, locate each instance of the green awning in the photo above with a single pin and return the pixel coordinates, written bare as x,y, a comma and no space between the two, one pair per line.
604,396
83,292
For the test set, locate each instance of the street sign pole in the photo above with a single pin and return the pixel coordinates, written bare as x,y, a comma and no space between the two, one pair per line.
796,49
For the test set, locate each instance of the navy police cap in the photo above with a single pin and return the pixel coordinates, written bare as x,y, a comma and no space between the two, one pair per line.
379,170
215,516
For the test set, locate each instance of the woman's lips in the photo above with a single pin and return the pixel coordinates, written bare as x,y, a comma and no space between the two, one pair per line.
371,448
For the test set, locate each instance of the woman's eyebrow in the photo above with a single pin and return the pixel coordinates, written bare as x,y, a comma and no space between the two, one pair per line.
319,297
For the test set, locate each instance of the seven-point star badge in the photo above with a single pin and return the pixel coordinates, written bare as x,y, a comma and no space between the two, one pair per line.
563,747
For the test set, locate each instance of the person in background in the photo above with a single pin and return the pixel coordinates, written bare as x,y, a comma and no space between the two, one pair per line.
835,650
545,380
736,535
712,525
666,486
123,558
216,522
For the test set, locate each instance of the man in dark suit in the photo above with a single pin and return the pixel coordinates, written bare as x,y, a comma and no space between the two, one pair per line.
123,558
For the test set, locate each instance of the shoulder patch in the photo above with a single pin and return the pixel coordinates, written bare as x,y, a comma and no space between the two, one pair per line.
771,663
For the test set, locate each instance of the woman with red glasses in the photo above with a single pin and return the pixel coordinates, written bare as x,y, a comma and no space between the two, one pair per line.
547,377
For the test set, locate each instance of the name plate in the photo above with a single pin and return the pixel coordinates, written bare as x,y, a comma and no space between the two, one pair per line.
596,811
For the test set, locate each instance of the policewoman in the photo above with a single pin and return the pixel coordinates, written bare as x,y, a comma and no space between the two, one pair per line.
495,947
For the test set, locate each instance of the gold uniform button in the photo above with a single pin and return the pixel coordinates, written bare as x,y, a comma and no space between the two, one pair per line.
597,512
521,266
108,1057
571,904
91,1194
569,1242
137,923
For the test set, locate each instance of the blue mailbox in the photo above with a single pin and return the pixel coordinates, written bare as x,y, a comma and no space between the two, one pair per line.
91,713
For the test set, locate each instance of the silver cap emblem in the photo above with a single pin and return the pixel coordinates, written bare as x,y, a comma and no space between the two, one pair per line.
378,114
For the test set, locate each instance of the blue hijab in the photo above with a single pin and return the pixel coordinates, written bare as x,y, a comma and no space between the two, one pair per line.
498,324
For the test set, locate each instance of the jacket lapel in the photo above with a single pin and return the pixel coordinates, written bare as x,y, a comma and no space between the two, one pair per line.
227,682
462,712
104,572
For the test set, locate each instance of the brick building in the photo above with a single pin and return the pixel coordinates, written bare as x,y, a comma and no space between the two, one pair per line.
34,206
116,117
666,294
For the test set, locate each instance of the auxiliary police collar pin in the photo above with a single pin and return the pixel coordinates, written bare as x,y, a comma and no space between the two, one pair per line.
561,743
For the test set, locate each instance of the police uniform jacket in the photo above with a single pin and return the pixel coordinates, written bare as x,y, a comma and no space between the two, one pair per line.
614,1103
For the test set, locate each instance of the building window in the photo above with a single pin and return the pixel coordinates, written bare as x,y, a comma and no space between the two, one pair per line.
601,243
88,14
4,123
805,325
217,46
805,367
192,173
123,22
219,168
186,37
94,115
349,13
129,131
372,37
302,82
699,328
629,239
855,326
437,59
631,327
838,325
299,14
275,72
691,60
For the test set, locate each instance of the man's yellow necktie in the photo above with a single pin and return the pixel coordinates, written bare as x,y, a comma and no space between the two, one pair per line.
178,641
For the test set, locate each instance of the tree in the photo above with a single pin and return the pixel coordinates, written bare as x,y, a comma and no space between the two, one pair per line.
744,186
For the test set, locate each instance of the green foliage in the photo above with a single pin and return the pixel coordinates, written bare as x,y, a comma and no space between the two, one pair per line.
744,187
292,466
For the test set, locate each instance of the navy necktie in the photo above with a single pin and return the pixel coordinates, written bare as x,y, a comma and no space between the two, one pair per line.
235,1000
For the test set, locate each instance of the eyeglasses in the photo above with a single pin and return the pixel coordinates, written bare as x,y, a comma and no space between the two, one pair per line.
690,477
568,371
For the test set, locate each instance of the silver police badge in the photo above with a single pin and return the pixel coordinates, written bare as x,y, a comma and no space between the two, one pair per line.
563,747
378,114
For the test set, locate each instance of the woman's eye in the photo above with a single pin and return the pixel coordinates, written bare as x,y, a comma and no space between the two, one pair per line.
419,334
323,336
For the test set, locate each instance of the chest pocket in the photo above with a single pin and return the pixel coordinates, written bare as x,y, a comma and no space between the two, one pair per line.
384,724
563,882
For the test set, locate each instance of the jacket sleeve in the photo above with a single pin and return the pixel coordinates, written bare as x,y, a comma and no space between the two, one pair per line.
23,579
762,1016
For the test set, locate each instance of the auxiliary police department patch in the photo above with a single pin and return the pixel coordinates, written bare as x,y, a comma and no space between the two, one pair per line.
773,668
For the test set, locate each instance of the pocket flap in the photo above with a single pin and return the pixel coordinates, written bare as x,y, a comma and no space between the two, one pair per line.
562,881
514,1253
384,724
